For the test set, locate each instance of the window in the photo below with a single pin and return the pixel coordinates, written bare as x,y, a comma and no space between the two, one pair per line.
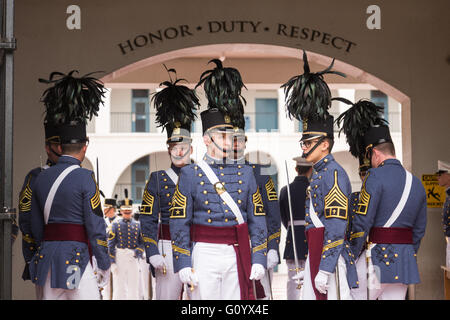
139,176
380,99
140,110
266,117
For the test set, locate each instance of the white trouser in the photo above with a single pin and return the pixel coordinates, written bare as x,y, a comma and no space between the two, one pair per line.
307,291
292,293
144,281
360,293
266,283
87,288
168,286
106,292
389,291
127,276
382,291
216,268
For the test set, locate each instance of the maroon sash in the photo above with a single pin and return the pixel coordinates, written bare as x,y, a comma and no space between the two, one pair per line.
164,232
315,237
67,232
391,235
238,237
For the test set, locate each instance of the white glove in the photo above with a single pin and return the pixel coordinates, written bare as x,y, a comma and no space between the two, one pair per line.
103,277
321,281
157,261
272,259
113,267
300,275
188,276
257,272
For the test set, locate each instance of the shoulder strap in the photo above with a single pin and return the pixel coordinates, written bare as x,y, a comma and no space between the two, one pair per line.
54,188
401,204
314,217
172,175
212,177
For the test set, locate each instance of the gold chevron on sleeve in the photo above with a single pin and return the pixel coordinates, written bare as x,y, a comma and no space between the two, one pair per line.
147,203
95,200
364,198
336,203
25,198
270,189
179,203
258,204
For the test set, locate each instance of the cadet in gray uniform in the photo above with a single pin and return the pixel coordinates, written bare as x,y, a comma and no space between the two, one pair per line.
125,249
329,270
109,210
217,206
353,123
66,214
175,106
392,212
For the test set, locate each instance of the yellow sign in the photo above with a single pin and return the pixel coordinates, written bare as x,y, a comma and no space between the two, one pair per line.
435,193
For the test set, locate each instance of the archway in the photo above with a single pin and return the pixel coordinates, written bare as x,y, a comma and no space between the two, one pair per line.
147,73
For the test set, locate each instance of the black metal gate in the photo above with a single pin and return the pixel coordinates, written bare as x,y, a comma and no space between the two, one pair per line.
7,47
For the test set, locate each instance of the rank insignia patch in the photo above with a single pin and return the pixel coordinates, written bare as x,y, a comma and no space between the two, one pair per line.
178,209
336,203
147,203
364,198
270,189
95,201
258,203
25,198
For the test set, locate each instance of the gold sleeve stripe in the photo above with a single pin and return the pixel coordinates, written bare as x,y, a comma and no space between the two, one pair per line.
181,250
332,245
274,236
28,239
150,240
140,249
357,235
102,243
260,247
270,189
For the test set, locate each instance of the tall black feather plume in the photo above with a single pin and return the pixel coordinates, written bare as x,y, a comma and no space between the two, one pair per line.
308,95
175,103
357,120
223,87
72,98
